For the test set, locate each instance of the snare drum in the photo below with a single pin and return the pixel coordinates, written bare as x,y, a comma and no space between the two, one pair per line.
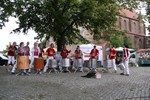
109,63
65,62
23,62
52,63
93,63
38,63
79,62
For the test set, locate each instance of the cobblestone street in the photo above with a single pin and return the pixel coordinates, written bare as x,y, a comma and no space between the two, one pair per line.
71,86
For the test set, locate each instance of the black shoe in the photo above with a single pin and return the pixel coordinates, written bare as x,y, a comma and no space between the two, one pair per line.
90,75
121,73
65,71
13,73
127,74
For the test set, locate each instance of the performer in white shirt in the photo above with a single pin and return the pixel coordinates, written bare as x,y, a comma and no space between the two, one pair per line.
34,54
125,60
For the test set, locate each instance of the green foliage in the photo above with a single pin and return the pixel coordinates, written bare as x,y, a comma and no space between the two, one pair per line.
127,41
43,43
116,38
6,9
4,52
129,3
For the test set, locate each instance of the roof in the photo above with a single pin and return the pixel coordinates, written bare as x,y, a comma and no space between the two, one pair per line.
121,49
143,50
128,13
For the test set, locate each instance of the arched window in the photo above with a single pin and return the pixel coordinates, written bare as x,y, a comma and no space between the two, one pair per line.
140,44
120,25
134,27
125,25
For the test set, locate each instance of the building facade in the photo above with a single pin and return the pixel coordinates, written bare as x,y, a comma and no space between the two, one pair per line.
131,22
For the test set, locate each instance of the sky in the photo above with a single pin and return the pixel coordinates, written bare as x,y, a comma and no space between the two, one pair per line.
6,37
143,6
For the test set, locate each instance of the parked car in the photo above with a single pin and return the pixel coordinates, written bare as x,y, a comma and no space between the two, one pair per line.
3,60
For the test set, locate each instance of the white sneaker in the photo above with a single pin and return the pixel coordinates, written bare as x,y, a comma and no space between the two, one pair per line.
29,70
81,69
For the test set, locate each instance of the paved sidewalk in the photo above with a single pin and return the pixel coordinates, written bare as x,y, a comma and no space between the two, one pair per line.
70,86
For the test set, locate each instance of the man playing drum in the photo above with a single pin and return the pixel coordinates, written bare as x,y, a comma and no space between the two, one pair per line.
21,51
50,52
34,54
78,61
27,49
93,58
112,57
41,50
65,61
11,53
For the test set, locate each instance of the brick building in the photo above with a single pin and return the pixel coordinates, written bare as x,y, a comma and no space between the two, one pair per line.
132,23
135,27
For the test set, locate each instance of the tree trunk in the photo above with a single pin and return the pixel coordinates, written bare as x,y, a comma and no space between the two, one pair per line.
60,44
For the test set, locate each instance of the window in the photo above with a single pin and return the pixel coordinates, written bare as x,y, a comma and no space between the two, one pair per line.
140,43
125,25
120,25
134,27
130,28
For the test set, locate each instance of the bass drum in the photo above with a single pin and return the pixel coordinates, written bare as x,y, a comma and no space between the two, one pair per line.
38,63
23,62
65,62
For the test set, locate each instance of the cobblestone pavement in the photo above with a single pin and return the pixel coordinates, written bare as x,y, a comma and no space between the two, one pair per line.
71,86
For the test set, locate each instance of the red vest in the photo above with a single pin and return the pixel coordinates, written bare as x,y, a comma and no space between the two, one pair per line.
36,52
50,51
27,50
11,50
112,54
64,53
78,53
94,53
21,51
125,52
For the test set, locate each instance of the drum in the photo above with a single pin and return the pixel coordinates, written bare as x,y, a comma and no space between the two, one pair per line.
109,64
23,62
38,63
65,62
79,62
93,63
52,63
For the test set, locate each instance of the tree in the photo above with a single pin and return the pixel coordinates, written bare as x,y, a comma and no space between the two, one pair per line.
119,38
6,10
61,19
